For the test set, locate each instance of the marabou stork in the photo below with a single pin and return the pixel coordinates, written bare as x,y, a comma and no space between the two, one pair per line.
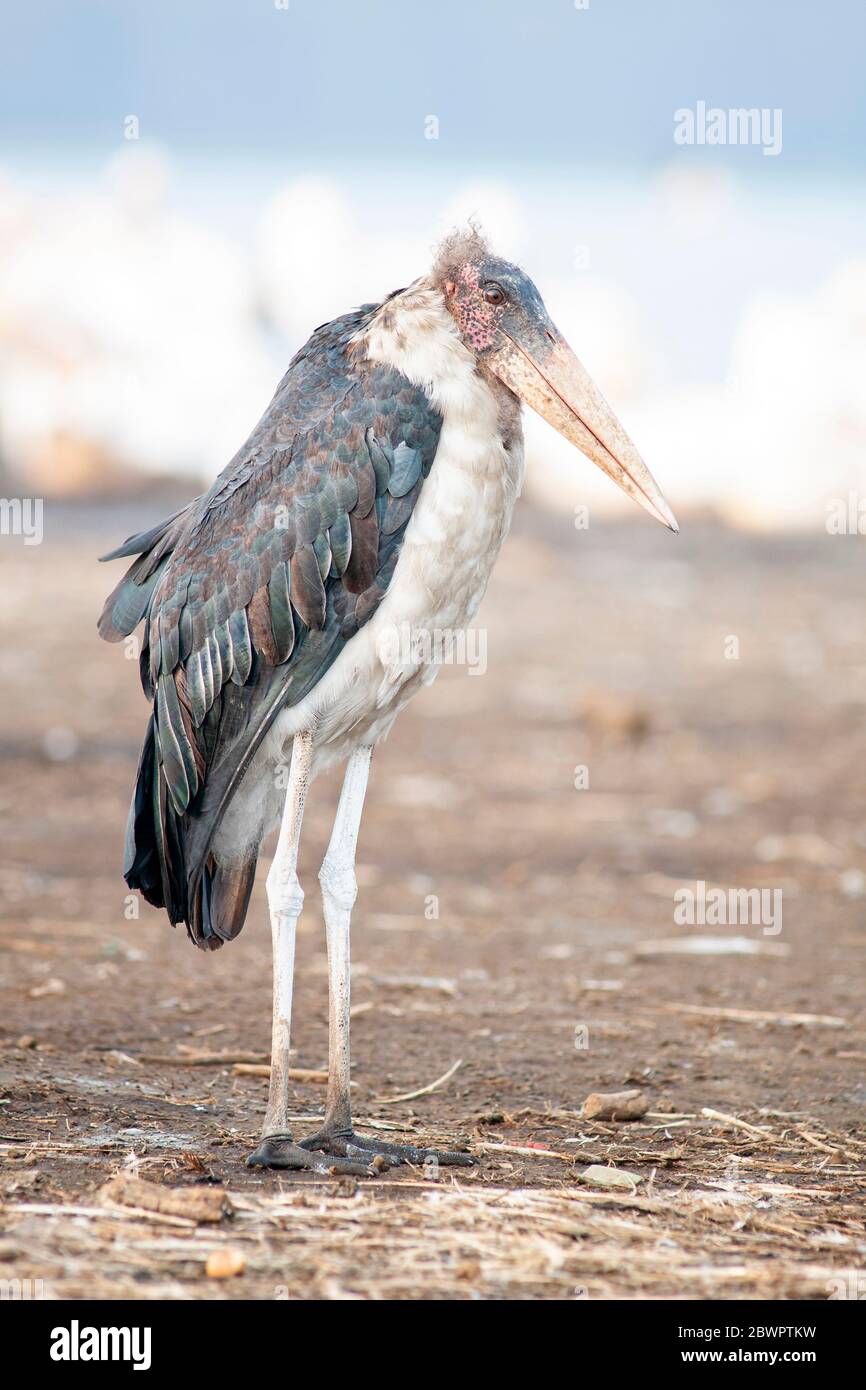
373,497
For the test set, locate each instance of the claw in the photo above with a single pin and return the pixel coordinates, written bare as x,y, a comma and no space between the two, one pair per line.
357,1146
280,1151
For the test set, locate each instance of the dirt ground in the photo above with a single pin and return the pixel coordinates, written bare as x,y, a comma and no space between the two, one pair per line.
510,925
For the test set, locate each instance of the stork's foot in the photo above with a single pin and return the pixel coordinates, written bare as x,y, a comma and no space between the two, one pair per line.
280,1151
348,1145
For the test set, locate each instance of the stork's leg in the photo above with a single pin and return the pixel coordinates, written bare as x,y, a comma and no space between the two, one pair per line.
285,900
339,890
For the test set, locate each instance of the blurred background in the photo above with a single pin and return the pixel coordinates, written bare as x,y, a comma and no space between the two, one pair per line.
186,191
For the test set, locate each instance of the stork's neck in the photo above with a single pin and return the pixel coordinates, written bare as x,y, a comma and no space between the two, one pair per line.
414,333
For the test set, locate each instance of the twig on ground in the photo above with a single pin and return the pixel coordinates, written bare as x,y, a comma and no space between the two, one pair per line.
422,1090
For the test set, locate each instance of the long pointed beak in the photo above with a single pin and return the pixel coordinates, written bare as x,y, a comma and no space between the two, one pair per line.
555,384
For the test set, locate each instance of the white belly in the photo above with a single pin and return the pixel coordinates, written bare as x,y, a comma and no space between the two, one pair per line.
452,541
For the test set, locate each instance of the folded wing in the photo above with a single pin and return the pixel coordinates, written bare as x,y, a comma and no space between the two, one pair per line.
249,594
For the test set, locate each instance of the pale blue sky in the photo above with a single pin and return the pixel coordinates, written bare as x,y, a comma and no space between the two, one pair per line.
512,81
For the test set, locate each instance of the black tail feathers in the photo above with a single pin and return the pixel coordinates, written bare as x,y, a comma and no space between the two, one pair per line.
212,903
219,905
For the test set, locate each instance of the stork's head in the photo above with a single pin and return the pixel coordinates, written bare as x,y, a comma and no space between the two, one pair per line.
502,319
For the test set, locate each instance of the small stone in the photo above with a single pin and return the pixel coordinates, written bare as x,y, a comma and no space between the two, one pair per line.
615,1105
721,801
225,1263
598,1175
52,986
59,744
852,883
673,823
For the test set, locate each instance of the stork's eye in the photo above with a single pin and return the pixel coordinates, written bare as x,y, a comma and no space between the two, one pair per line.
494,294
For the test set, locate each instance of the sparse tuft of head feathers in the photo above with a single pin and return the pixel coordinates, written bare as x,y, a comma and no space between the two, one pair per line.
459,246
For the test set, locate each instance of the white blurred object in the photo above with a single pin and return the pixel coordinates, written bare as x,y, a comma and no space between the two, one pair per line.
134,337
494,208
796,391
694,203
60,744
316,261
305,255
129,328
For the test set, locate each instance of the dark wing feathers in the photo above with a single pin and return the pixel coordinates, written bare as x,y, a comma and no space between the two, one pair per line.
405,471
308,591
363,564
340,540
280,603
251,591
242,650
397,510
146,542
129,601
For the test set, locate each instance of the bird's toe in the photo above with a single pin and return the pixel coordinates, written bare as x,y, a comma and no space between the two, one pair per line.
280,1151
361,1147
275,1151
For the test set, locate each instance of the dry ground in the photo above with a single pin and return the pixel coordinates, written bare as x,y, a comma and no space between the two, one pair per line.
504,916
